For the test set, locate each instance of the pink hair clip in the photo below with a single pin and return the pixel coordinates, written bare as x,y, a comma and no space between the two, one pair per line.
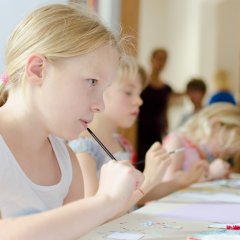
4,78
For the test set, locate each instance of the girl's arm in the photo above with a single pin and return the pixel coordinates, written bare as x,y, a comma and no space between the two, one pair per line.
163,189
89,171
179,181
68,222
156,162
73,220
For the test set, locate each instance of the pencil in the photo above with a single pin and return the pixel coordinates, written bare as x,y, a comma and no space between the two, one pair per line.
176,150
101,144
170,153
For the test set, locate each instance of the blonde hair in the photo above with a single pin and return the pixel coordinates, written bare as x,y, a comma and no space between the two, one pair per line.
222,80
128,70
200,126
55,31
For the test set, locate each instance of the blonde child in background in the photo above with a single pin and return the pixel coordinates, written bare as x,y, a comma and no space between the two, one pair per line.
212,135
223,88
59,61
122,101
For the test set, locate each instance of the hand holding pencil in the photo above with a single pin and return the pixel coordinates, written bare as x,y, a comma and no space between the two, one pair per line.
137,176
157,161
177,150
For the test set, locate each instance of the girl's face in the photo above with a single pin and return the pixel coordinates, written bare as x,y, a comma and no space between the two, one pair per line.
122,101
72,91
222,143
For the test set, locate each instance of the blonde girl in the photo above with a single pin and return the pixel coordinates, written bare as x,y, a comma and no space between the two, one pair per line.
122,101
212,135
59,61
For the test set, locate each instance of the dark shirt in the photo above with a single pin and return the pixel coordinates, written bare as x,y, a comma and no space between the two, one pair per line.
152,121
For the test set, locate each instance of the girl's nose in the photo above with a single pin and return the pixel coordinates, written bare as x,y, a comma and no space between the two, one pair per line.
138,101
99,106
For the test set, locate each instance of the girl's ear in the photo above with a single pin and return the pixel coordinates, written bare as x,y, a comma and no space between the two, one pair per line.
35,66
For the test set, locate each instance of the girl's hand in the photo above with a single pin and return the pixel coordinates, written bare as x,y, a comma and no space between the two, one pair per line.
197,173
156,162
219,169
118,180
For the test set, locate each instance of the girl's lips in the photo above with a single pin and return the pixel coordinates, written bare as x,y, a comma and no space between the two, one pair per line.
84,123
134,114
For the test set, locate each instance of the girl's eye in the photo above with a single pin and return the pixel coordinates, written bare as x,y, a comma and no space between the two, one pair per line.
128,93
92,82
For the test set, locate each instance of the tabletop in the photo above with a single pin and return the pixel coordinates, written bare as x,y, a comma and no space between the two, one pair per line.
179,215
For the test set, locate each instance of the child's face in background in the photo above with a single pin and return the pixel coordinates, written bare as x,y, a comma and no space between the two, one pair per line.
122,101
196,97
73,91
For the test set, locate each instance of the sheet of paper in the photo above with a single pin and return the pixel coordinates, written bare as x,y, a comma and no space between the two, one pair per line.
209,196
226,183
222,225
216,235
125,236
215,212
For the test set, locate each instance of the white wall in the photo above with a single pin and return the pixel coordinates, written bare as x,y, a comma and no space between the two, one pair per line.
229,39
201,37
12,11
220,39
174,25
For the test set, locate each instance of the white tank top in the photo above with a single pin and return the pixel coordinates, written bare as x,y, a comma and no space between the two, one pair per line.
19,195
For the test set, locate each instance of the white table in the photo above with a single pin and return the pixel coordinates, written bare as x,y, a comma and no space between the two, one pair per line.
146,220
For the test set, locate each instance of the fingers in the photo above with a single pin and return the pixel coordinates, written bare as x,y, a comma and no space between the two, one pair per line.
156,162
119,178
227,165
156,150
219,169
155,145
199,171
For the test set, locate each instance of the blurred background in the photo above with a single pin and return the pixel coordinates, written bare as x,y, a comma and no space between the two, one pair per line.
201,37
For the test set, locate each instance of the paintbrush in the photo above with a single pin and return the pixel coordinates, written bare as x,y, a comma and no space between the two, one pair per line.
170,153
176,150
101,144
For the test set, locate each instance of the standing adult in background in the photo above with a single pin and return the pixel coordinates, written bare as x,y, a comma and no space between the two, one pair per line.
152,122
